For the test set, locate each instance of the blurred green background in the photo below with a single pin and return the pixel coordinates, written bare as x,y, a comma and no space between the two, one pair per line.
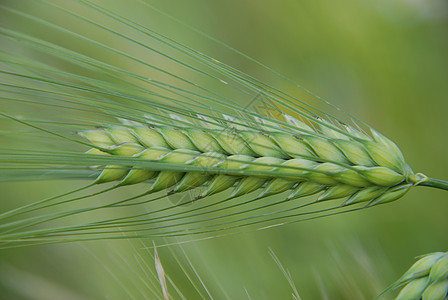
386,62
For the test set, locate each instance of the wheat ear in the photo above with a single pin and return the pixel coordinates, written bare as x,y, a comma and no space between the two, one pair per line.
427,279
290,156
347,164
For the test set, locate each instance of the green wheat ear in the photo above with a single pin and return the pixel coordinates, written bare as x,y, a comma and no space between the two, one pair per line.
181,124
194,125
335,164
427,279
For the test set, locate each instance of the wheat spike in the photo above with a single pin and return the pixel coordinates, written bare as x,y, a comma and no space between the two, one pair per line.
427,279
302,161
239,143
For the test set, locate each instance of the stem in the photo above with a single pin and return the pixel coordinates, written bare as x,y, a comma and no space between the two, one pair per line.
435,183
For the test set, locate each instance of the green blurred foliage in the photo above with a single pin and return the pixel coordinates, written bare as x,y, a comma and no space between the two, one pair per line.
386,62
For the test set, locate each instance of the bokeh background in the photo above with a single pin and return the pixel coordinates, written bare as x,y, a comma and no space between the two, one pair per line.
386,62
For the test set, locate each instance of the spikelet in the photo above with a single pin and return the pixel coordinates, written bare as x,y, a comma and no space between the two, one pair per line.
338,162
